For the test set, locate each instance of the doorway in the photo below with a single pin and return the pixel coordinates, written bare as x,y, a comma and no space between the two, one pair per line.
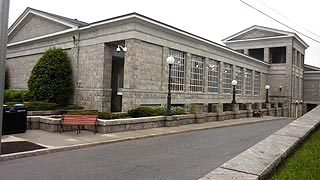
117,83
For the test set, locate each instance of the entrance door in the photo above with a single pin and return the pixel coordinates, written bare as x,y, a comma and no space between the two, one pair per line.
117,84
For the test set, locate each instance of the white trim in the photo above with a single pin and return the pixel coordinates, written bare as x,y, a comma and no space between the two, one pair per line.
42,37
311,72
257,39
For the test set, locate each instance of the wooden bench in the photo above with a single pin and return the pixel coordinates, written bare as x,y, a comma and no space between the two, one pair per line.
79,121
257,113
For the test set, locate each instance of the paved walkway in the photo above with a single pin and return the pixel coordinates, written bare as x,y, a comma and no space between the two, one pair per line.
70,140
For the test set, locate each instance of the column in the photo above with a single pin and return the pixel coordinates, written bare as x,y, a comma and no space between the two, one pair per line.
266,55
188,72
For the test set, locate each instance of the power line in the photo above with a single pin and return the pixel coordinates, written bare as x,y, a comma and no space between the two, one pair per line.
279,21
288,18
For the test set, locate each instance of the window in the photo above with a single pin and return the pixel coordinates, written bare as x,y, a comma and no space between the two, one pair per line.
213,76
294,56
256,88
302,60
177,70
196,79
277,55
298,58
257,53
227,78
239,77
248,79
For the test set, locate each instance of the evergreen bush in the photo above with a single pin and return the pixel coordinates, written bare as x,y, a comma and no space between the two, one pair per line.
16,95
142,112
51,78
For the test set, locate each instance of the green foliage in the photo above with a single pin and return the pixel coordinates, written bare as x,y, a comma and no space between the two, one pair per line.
160,111
15,95
51,78
304,164
40,106
74,106
84,112
142,112
178,111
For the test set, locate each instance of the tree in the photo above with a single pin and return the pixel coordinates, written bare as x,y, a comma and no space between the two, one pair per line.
51,78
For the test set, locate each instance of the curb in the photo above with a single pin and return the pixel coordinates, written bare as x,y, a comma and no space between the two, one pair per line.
259,161
87,145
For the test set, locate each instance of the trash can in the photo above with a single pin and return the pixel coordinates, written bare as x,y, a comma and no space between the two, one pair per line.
14,119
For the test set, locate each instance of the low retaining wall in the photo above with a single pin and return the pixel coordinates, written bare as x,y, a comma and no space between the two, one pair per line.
48,123
257,162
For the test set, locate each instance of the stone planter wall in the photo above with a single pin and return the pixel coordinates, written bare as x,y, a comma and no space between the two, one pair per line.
118,125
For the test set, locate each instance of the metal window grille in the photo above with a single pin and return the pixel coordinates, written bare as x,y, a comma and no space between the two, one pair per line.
227,78
213,76
196,79
256,90
239,78
248,77
177,70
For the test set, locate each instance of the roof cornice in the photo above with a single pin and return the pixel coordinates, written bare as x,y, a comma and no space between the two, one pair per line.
286,33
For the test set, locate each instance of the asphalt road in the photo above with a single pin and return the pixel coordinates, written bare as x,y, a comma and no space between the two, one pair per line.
174,157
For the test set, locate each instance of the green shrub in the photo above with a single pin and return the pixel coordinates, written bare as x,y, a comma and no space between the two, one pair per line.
40,106
85,112
51,77
160,111
142,112
178,111
14,95
108,115
74,106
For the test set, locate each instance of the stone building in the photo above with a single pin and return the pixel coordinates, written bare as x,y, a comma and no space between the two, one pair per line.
120,63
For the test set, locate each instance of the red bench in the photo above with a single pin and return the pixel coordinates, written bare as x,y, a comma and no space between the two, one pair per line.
79,121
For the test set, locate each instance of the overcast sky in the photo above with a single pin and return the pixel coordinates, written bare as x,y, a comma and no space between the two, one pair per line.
213,20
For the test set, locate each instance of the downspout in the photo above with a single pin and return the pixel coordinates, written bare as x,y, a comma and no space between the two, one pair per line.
290,109
78,83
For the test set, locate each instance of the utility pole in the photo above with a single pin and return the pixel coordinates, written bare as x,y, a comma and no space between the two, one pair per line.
4,15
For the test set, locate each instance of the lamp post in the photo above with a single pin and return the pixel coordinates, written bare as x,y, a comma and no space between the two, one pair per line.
267,87
4,14
170,61
234,83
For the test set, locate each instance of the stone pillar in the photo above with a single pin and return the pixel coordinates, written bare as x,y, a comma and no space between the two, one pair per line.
266,55
219,110
165,69
220,89
188,72
268,106
205,75
249,109
236,112
246,51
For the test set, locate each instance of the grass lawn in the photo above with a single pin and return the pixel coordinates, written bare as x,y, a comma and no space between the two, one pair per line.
304,164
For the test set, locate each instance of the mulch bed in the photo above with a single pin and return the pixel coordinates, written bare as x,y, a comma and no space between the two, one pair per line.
18,146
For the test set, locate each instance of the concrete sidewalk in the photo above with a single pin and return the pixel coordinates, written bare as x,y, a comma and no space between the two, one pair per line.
56,142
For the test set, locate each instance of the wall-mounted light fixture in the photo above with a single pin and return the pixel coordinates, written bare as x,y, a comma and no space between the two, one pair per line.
280,88
123,48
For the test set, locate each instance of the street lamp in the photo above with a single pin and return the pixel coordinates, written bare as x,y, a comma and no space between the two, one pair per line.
267,87
170,61
234,83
